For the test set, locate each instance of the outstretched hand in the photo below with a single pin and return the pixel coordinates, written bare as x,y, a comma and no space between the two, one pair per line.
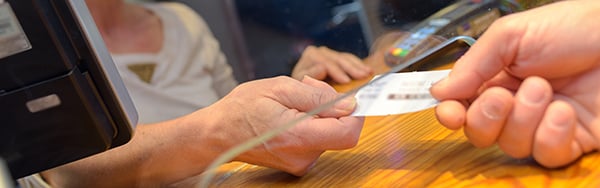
529,84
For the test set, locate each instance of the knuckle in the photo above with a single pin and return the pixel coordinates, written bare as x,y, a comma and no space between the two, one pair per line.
508,24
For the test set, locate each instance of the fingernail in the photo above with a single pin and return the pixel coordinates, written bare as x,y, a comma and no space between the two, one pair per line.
492,108
559,119
534,93
440,83
347,105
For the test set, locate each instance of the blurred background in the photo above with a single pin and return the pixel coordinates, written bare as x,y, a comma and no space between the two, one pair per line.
264,38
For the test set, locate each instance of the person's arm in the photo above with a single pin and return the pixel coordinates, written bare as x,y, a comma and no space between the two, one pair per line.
157,154
164,153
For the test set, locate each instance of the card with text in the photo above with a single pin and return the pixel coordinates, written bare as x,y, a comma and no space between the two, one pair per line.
398,93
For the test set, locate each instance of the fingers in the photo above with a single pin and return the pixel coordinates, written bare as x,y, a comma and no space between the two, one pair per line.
343,107
451,114
318,72
531,100
319,135
340,64
531,123
322,62
334,134
487,115
352,65
309,95
554,143
328,60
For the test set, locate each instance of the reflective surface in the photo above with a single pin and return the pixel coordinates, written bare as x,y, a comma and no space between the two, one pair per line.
412,150
404,150
276,31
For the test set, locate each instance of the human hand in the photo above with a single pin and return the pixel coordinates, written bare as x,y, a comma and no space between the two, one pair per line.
529,85
256,107
322,62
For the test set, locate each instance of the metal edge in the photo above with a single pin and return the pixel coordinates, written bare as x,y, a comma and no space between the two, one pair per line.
96,44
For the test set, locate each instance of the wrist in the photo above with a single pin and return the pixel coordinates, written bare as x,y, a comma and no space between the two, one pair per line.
206,135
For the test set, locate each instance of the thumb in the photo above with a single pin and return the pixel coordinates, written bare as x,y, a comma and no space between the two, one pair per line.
484,60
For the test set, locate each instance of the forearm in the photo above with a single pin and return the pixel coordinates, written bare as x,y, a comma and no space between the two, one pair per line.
158,154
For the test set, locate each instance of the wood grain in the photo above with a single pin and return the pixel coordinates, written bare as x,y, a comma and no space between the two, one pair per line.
414,150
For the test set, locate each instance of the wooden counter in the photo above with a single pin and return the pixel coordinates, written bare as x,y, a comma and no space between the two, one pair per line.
414,150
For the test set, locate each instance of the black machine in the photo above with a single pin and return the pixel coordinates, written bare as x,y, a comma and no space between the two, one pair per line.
461,18
61,96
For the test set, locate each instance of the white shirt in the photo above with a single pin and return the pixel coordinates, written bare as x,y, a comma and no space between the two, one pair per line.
190,70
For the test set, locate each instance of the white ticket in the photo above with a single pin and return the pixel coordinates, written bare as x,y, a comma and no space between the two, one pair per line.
398,93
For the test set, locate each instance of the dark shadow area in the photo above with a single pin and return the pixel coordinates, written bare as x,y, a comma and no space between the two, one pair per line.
277,31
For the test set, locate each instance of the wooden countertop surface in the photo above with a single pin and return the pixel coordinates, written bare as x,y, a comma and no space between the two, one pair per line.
414,150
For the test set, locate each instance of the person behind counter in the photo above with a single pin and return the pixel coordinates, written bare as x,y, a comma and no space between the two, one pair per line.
172,66
530,84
